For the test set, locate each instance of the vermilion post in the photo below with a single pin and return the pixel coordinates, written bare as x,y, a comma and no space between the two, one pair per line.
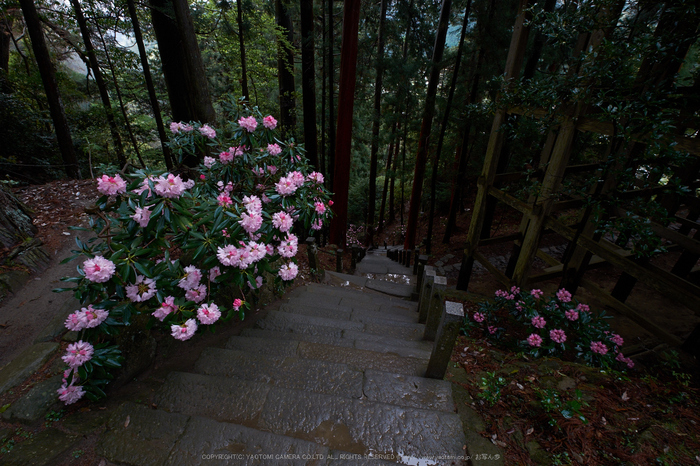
346,98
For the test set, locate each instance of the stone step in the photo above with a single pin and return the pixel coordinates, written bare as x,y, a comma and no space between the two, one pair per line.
138,435
350,425
397,307
357,358
352,294
343,313
289,322
275,338
329,378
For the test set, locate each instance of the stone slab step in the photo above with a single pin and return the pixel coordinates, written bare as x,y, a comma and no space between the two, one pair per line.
137,435
271,342
393,307
342,313
282,371
354,294
351,425
298,323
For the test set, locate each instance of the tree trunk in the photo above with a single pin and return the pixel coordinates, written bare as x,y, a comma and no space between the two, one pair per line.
443,128
285,73
375,125
5,40
308,81
331,99
241,42
99,81
48,78
385,191
149,85
346,97
428,112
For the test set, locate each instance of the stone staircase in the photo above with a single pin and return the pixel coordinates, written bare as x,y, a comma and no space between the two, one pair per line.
332,375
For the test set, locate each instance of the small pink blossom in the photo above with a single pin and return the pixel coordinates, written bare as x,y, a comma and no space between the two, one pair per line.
111,185
191,279
539,322
167,307
258,283
251,223
184,331
69,394
274,149
288,271
319,207
177,127
620,357
492,330
288,246
617,339
213,273
599,347
557,335
534,340
252,204
98,269
197,294
142,290
571,314
225,157
209,161
514,290
224,200
78,354
228,255
142,216
169,187
269,122
248,123
237,303
537,294
564,296
317,224
94,317
296,177
272,169
75,321
285,186
583,308
316,177
208,313
208,131
479,317
519,306
282,221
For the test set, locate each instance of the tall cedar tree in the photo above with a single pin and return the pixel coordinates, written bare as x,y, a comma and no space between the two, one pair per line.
308,81
285,66
241,42
48,78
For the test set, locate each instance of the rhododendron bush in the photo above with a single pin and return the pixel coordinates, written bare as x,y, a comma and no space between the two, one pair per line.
540,326
189,253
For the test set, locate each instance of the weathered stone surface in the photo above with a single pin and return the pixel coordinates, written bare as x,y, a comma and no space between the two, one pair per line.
334,338
217,398
382,318
34,405
387,340
57,324
25,364
282,321
287,372
362,359
403,351
260,345
403,390
137,435
404,331
216,443
41,449
394,289
360,426
327,312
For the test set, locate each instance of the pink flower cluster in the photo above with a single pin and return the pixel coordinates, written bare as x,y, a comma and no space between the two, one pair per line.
208,131
479,317
111,185
621,357
538,322
237,303
269,122
537,294
69,394
599,347
534,340
142,216
208,313
274,149
78,354
177,127
289,184
248,123
184,331
98,269
288,246
172,186
87,317
316,177
288,271
141,290
564,296
571,314
191,279
167,307
241,257
282,221
557,335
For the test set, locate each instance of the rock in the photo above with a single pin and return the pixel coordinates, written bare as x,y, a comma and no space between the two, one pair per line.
439,264
57,325
25,364
34,405
549,366
567,383
41,449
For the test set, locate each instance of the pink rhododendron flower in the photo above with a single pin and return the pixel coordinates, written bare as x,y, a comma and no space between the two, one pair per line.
167,307
143,289
620,357
564,296
257,251
492,330
296,177
538,322
519,305
537,294
274,149
617,339
75,321
214,272
184,331
330,203
170,187
208,313
288,247
78,354
228,255
515,290
251,223
316,177
599,347
282,221
177,127
142,216
258,283
288,271
583,308
191,279
224,200
571,314
557,335
69,394
237,303
252,204
111,185
319,207
269,122
197,294
285,186
145,187
208,131
93,317
209,161
534,340
98,269
479,317
272,169
317,224
248,123
225,157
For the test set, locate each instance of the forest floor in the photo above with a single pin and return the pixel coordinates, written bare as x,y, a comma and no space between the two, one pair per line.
648,415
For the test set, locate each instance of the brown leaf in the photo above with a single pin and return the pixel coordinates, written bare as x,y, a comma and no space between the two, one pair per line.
126,423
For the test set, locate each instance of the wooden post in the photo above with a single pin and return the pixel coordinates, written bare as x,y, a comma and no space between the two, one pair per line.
424,296
435,309
339,260
312,252
416,260
448,330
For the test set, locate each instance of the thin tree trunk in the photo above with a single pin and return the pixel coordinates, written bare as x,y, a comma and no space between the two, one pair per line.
322,155
241,42
99,81
149,85
308,81
346,98
331,100
375,124
48,78
428,112
385,191
285,71
5,41
443,128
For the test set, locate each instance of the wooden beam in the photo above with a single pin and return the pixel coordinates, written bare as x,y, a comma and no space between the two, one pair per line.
498,275
500,239
510,200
